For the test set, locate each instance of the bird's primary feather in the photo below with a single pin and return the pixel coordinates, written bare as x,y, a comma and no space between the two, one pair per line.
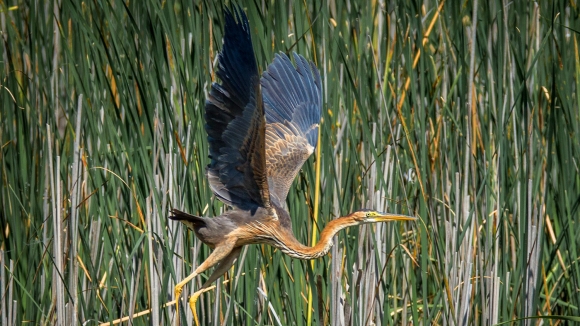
259,138
292,101
235,122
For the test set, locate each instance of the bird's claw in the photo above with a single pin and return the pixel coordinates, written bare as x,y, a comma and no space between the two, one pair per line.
177,290
178,293
193,300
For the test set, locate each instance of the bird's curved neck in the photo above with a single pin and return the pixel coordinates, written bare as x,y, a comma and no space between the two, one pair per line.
294,248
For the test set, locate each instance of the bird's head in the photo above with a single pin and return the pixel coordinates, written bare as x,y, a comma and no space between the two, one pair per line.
370,216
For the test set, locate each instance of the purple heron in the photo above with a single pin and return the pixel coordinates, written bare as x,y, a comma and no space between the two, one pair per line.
260,133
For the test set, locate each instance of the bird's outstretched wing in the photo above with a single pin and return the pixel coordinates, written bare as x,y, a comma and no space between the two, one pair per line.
292,100
235,123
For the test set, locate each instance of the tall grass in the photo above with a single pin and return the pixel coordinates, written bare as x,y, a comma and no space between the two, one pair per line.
465,114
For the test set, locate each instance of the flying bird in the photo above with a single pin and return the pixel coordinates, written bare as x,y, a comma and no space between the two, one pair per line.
260,132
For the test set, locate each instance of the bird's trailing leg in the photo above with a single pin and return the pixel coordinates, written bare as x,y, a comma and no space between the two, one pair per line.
220,252
220,270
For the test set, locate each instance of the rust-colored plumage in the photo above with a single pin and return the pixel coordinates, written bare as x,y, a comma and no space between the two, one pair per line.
260,133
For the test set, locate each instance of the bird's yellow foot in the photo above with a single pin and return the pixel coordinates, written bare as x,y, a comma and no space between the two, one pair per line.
178,290
193,300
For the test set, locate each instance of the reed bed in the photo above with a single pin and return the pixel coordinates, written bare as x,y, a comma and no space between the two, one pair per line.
462,113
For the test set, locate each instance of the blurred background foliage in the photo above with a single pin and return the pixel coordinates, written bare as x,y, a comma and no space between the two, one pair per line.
463,113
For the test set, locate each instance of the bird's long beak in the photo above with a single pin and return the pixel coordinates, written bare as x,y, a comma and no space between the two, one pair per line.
387,217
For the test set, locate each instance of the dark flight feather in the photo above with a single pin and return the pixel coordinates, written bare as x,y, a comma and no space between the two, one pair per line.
235,122
292,100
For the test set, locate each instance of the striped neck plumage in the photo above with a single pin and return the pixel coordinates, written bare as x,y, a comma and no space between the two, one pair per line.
288,244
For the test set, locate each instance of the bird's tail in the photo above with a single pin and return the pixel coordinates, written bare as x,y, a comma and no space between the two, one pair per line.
186,218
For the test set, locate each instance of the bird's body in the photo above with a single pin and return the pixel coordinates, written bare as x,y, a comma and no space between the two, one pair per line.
235,224
244,228
261,130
